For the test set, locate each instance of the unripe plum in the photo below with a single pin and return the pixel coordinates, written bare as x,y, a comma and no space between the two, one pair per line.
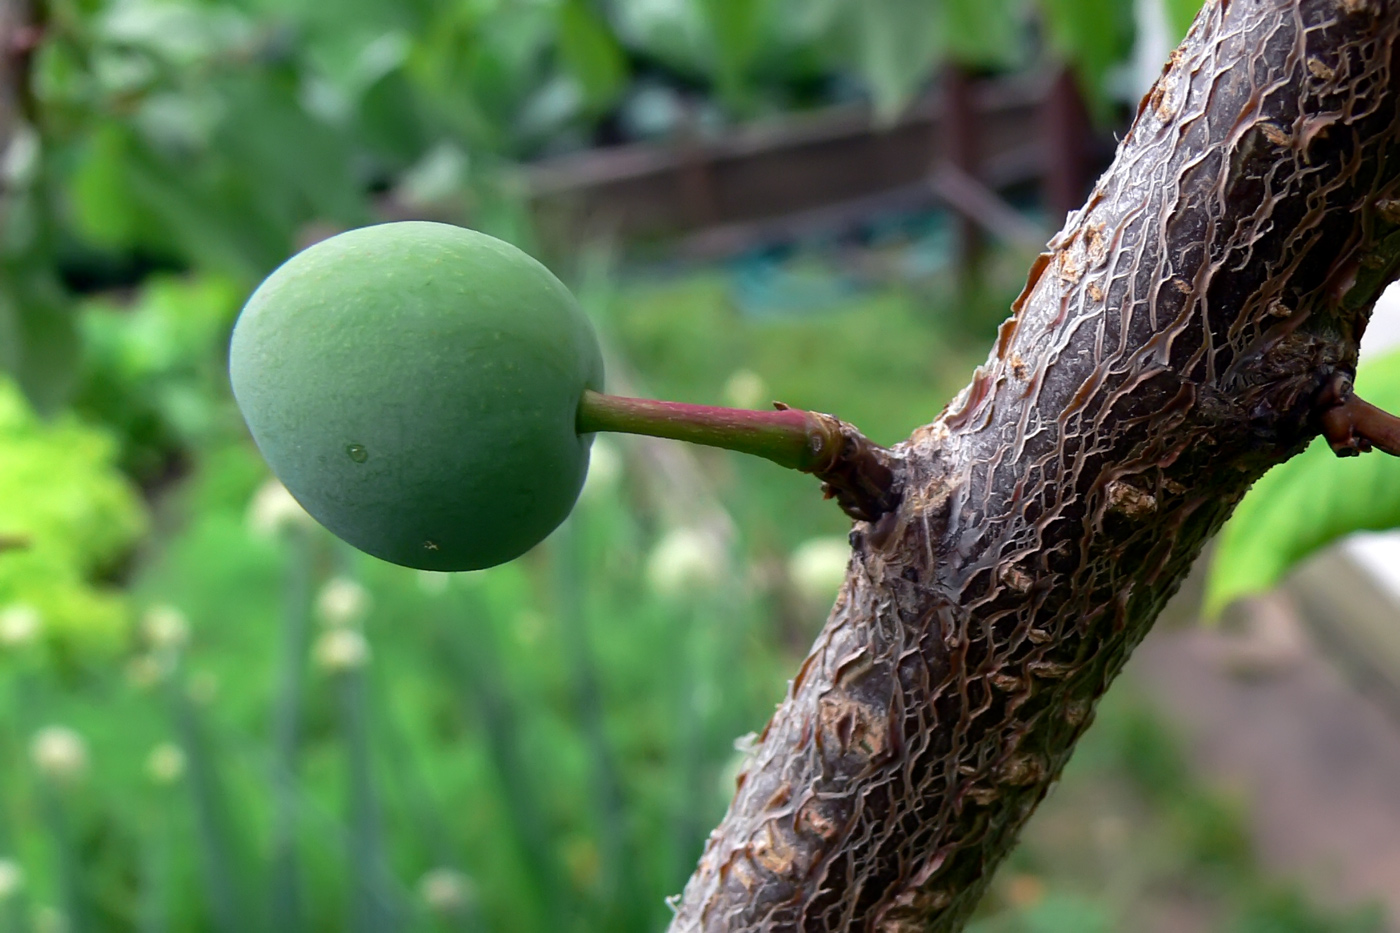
416,387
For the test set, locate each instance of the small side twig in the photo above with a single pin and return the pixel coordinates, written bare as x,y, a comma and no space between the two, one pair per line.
858,473
1354,426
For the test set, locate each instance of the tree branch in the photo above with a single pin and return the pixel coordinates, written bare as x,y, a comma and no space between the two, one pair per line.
1172,345
1352,425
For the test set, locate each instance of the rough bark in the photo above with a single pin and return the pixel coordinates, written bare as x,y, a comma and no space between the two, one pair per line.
1186,331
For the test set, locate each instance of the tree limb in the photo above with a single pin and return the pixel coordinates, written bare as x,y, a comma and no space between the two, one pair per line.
1183,334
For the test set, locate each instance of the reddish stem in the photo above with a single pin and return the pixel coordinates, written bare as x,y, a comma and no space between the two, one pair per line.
856,472
1353,425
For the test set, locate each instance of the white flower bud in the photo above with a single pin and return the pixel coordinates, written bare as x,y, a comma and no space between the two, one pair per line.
166,763
604,470
746,389
165,628
51,920
20,625
59,754
446,891
11,878
146,670
685,561
340,650
203,687
473,579
817,567
433,582
21,158
273,510
342,602
529,626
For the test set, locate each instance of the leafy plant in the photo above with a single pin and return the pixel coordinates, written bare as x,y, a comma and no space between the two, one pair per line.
72,518
1307,503
151,370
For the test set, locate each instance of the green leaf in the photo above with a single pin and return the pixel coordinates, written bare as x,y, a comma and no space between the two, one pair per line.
737,30
48,367
39,345
591,55
897,47
674,34
10,335
61,493
1307,503
1092,36
984,33
103,206
1180,14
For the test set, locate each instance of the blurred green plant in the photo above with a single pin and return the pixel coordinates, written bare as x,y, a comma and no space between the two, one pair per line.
153,134
295,738
73,517
153,371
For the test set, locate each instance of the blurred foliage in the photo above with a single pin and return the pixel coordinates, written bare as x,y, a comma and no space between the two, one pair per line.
512,713
542,746
1180,13
152,134
1130,840
1092,35
293,737
154,370
1303,505
74,517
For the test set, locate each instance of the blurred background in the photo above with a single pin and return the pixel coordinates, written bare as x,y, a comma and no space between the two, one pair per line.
215,717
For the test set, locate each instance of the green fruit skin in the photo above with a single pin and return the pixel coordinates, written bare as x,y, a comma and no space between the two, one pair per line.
415,386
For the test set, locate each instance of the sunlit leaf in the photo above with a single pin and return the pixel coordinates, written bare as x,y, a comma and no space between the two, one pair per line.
591,54
61,493
1091,36
1307,503
897,46
737,30
984,33
103,206
9,331
50,346
1180,13
669,31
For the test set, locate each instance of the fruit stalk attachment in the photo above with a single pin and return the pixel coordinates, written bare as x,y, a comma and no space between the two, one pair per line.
1353,425
859,474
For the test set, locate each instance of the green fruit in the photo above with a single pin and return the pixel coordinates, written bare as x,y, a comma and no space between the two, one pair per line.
416,386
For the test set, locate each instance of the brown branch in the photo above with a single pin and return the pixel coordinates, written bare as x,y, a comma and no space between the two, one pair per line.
1354,426
1178,339
859,474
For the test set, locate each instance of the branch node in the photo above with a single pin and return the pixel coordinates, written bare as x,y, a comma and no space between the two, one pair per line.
859,474
1352,425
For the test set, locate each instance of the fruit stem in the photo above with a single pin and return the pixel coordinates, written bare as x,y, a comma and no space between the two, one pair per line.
858,473
785,436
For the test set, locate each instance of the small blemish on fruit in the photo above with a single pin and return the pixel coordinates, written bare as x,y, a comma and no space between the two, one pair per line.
357,452
430,545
